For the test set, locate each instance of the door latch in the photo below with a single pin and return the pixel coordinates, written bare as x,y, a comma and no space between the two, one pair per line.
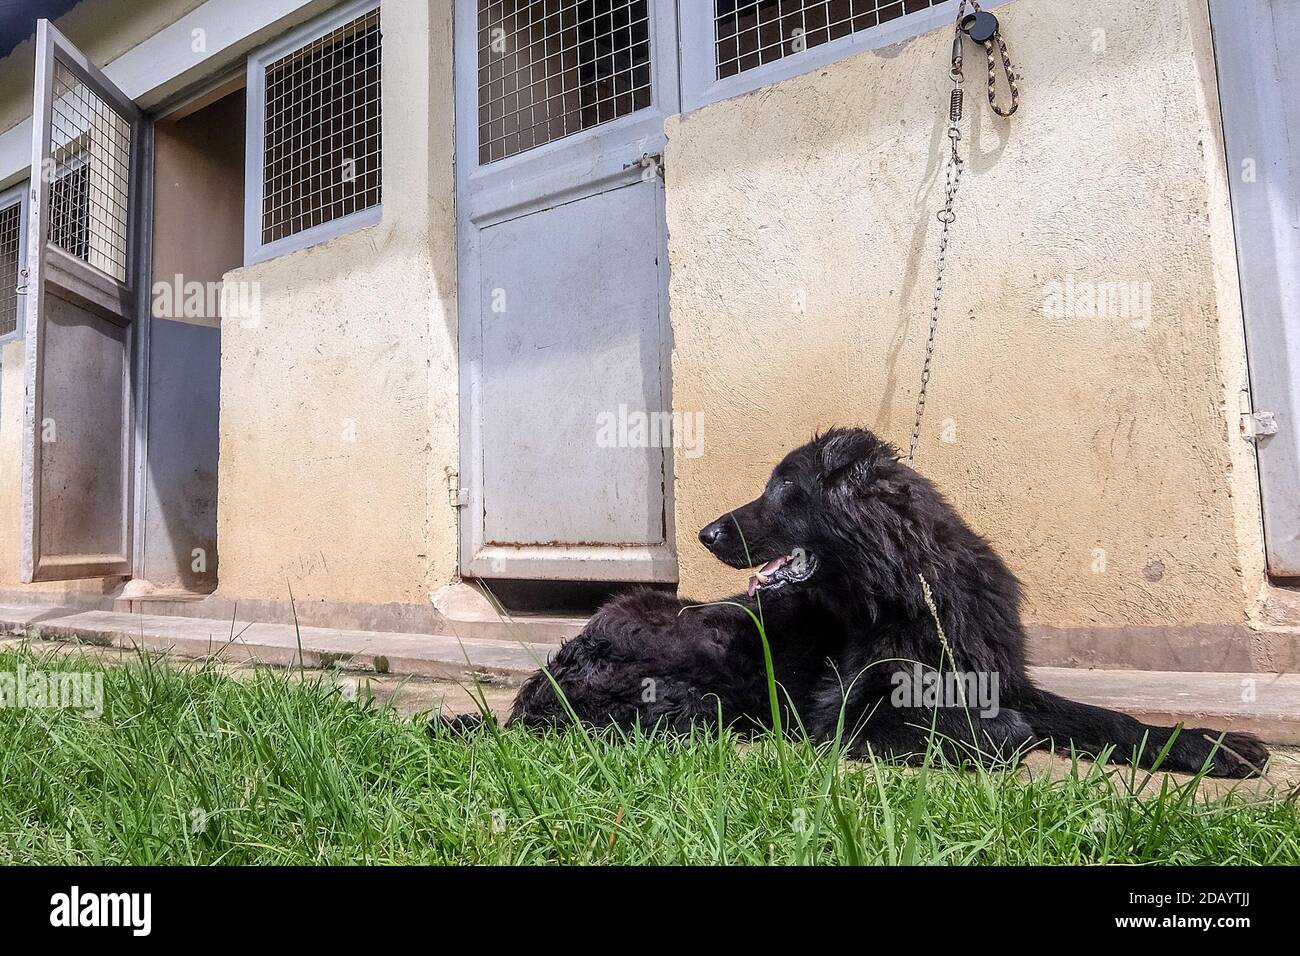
652,165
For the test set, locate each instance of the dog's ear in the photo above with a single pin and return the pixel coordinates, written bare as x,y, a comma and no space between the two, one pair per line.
846,453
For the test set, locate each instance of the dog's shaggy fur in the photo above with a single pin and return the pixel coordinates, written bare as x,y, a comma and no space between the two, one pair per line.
842,619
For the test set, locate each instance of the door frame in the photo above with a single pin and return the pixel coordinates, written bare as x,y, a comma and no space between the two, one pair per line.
143,326
213,81
1267,235
593,161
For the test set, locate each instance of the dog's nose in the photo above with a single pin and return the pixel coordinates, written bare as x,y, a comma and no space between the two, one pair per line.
710,534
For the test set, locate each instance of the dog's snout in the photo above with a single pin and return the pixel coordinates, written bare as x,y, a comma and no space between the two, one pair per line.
710,534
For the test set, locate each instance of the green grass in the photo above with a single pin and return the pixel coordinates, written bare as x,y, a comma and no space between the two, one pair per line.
187,766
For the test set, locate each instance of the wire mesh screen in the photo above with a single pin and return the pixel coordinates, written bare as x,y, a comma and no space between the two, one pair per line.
69,205
749,33
89,196
323,155
10,262
551,68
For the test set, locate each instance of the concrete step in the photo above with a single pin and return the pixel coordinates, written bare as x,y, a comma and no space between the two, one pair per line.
405,619
1265,704
534,628
431,655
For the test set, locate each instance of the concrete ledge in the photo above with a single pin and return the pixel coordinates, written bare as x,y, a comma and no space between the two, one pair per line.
1273,647
1265,704
1176,647
429,655
419,619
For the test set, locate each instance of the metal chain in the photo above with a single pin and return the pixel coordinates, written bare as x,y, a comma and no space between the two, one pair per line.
947,217
954,170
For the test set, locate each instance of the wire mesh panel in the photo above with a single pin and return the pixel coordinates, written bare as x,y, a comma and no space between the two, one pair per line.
89,195
322,157
10,263
551,68
749,33
69,205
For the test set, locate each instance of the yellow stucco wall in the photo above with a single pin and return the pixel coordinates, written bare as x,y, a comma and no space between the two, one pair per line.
338,408
1100,454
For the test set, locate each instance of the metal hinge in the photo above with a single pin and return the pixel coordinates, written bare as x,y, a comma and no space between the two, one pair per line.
1258,425
455,496
651,163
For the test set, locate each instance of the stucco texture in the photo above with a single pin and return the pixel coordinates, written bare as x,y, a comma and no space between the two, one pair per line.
1099,454
338,402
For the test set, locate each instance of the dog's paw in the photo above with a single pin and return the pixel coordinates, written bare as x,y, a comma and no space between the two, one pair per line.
1239,756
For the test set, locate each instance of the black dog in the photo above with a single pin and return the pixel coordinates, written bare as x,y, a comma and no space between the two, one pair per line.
846,534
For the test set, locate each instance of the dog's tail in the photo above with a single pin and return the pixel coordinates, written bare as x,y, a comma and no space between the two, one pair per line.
1089,730
457,725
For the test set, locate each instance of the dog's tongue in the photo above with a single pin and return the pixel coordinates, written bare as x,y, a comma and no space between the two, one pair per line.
761,577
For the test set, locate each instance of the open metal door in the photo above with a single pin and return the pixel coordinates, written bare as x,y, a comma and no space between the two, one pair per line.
82,297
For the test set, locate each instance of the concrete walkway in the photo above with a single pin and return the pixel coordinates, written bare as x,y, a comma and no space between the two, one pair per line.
1266,704
435,655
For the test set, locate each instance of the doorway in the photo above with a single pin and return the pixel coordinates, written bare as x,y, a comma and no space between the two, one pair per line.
197,236
565,339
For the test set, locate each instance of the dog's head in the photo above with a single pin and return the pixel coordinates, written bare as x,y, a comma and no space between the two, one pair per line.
829,506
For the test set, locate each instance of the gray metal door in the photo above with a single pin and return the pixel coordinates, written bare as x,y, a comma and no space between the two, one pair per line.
566,457
82,287
1259,83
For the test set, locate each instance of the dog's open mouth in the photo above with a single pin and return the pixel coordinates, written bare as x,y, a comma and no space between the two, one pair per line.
797,566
